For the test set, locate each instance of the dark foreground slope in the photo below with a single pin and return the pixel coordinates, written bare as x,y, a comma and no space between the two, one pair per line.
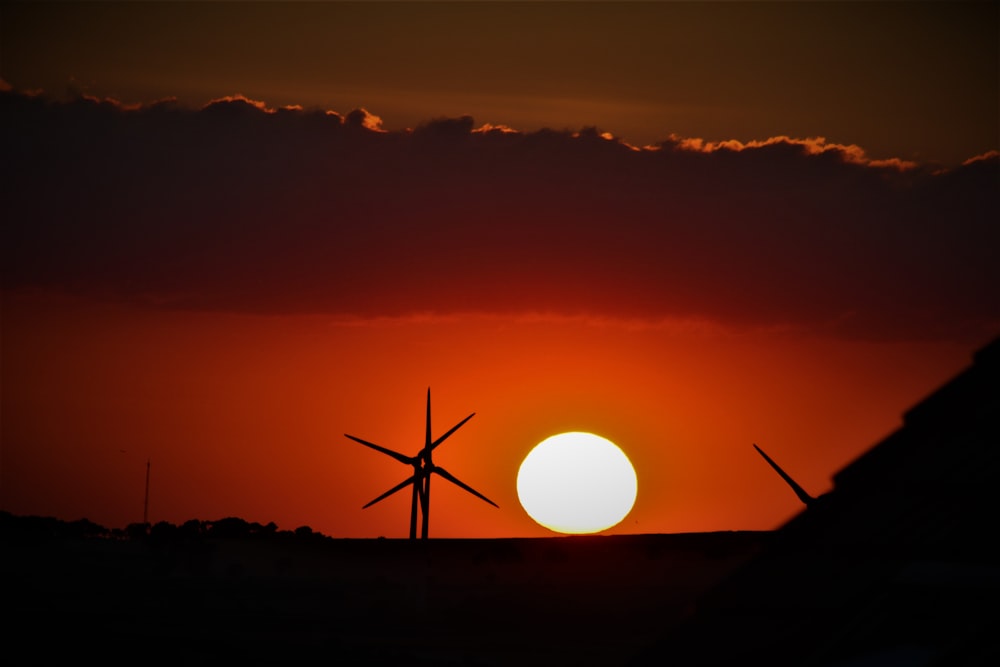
573,600
897,565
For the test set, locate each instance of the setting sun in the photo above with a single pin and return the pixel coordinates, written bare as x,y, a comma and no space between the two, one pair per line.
576,483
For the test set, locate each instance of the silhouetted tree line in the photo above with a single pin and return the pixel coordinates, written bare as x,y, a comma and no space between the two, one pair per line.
47,528
38,528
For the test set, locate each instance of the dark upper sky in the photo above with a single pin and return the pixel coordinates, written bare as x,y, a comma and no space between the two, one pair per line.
236,207
909,80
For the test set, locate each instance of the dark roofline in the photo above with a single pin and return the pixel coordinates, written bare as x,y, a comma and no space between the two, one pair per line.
966,399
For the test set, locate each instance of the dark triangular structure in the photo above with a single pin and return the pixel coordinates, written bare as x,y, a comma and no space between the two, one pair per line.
423,468
898,565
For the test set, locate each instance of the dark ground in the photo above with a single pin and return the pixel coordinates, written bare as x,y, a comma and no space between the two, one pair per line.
897,565
593,600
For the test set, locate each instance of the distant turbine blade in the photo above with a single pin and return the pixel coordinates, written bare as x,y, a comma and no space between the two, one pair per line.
402,458
391,491
453,429
454,480
799,491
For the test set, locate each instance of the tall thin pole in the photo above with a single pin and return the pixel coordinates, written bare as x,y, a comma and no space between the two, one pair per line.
145,504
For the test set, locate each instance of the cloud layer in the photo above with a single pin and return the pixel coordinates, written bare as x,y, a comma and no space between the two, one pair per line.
240,207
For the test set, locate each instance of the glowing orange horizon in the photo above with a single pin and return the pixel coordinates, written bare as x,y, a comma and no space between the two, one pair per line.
243,415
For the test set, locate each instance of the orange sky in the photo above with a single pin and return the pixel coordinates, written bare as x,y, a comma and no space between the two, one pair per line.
243,415
787,237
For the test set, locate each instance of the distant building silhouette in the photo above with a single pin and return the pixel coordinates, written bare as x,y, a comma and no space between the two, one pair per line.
896,567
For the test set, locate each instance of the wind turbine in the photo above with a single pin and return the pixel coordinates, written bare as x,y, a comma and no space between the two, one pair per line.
806,499
423,467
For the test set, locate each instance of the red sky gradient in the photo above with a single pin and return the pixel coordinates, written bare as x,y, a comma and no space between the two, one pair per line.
244,414
226,287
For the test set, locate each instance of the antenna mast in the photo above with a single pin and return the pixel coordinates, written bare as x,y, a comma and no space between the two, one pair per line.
145,504
799,491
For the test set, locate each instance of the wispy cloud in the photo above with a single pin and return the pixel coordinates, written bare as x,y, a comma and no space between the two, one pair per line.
808,146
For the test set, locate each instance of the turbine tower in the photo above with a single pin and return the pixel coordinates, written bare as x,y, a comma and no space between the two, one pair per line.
423,467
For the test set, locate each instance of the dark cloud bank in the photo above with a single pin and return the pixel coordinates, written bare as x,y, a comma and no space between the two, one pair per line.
236,207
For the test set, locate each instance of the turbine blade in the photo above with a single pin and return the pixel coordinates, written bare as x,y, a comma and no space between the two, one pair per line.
453,429
454,480
402,458
799,491
391,491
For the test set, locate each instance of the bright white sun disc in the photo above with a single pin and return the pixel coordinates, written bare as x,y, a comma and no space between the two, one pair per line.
577,483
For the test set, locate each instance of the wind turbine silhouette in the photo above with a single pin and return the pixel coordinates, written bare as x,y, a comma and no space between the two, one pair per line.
806,499
423,467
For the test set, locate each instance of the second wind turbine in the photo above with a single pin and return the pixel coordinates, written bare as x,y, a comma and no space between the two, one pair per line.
423,467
